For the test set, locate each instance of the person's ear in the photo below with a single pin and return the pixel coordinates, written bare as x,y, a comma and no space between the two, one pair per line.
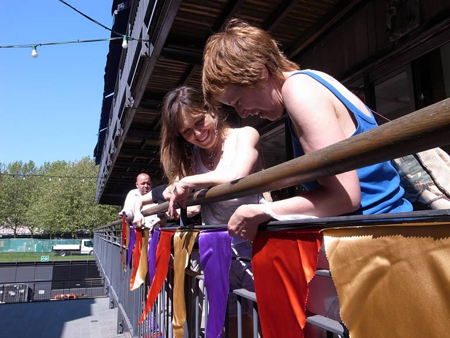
265,73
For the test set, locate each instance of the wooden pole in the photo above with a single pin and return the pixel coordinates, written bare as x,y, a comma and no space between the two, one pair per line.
424,129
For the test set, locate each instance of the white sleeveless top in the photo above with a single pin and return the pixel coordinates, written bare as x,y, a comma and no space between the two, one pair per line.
220,212
215,213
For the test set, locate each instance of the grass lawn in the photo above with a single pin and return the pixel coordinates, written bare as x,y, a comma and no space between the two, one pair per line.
39,257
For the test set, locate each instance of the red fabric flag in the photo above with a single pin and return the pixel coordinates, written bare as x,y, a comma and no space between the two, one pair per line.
284,262
161,269
136,256
124,238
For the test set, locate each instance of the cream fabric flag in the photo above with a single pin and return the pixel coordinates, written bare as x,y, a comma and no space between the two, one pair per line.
143,262
392,281
183,242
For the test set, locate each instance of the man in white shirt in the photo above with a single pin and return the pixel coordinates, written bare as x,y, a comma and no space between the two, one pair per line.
143,187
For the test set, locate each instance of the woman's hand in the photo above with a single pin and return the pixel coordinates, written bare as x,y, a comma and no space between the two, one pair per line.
167,193
245,221
178,197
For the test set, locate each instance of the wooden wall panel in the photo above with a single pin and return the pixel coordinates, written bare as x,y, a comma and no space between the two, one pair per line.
363,37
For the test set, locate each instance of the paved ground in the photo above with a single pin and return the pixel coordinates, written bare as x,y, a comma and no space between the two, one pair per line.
81,318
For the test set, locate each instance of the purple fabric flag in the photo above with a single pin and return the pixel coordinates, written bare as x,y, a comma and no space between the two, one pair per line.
152,253
215,258
131,244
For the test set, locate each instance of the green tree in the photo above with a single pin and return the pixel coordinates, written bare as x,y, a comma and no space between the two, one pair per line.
65,199
56,197
16,192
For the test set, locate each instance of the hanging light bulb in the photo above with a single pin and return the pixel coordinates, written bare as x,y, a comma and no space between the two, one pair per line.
34,52
125,42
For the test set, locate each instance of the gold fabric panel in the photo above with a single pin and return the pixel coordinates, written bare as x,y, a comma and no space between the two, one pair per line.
392,280
183,242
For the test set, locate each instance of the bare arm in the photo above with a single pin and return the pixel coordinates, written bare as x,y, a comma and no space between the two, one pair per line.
314,115
140,202
238,160
128,205
240,155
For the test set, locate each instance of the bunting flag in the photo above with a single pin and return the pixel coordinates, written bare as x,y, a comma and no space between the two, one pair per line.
127,245
161,268
142,269
124,240
392,280
183,243
215,258
284,262
131,242
152,245
136,256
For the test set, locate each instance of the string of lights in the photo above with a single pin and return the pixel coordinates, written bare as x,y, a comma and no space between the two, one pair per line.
89,18
34,46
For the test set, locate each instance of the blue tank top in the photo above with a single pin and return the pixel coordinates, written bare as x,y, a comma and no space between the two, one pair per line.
380,183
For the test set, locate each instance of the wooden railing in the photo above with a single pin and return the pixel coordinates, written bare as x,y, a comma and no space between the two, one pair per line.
423,129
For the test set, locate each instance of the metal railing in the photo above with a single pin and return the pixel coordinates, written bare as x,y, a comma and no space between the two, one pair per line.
421,130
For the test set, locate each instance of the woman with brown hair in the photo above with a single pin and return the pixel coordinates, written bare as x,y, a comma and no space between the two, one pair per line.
244,68
199,150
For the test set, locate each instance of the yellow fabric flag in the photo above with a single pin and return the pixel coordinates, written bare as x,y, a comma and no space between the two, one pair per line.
183,242
143,261
392,280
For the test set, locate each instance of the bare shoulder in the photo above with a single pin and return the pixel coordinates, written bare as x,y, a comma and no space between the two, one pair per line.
312,110
304,97
302,88
246,133
248,130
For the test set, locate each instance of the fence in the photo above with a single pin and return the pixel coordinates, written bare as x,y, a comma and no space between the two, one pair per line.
427,128
32,244
35,281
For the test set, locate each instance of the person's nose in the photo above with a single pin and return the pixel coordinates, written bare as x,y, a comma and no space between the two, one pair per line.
241,112
197,132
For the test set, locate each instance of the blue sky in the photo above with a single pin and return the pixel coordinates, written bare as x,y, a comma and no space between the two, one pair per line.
50,105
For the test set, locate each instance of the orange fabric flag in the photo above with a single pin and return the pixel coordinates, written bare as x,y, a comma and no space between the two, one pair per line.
284,261
124,239
161,269
136,256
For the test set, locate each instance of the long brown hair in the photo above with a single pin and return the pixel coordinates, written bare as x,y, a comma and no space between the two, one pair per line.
176,153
